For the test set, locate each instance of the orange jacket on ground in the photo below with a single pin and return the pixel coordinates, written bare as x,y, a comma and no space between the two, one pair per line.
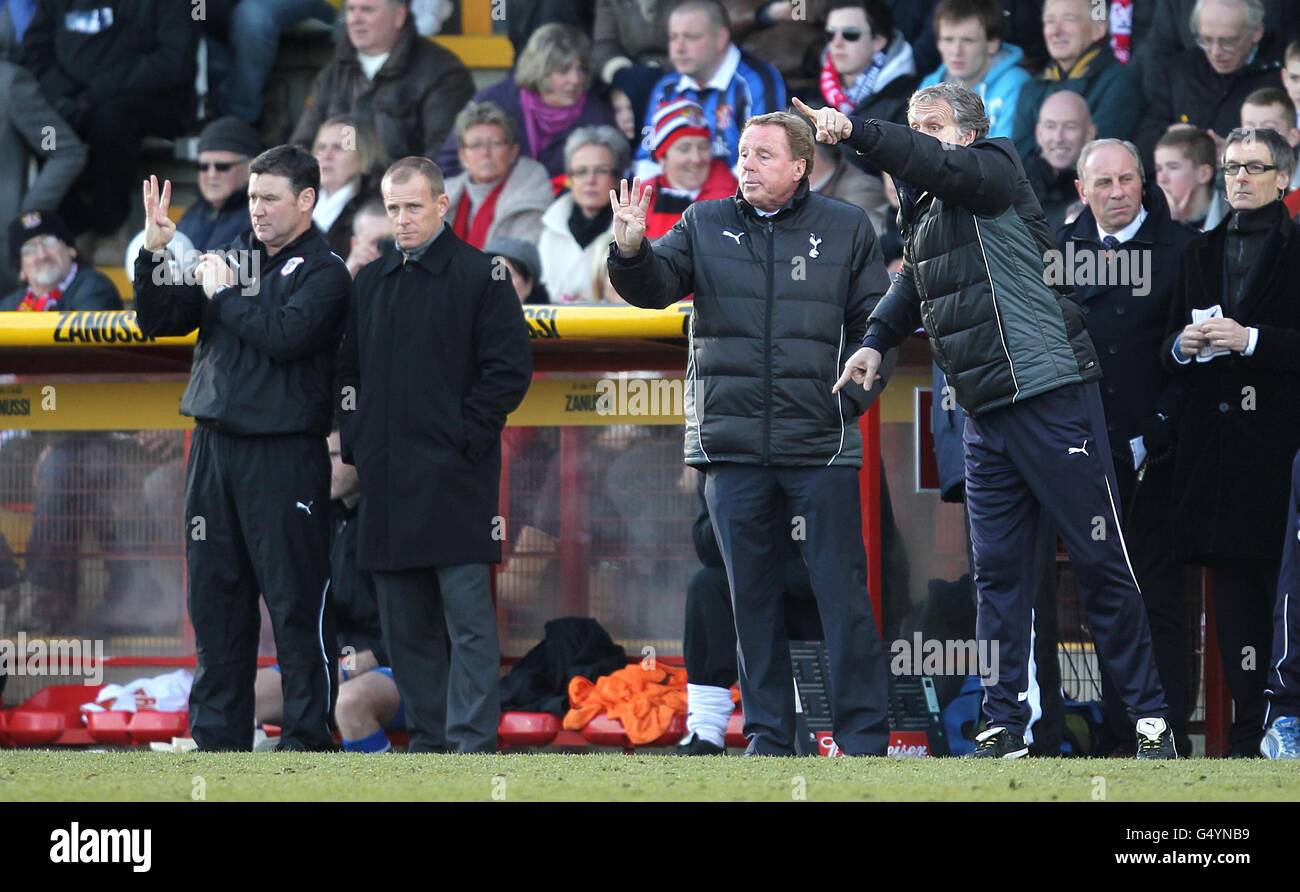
645,701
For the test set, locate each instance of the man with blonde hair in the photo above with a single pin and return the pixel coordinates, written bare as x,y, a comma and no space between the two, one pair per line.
435,355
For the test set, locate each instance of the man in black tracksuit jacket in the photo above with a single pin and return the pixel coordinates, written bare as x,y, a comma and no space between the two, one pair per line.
783,280
257,485
1020,363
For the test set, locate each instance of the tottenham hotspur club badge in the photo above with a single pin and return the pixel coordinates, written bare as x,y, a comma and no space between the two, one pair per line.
814,241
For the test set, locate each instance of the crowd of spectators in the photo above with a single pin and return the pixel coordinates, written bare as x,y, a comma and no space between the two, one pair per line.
674,78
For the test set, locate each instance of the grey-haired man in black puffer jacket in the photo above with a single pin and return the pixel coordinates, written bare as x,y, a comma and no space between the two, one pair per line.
1020,363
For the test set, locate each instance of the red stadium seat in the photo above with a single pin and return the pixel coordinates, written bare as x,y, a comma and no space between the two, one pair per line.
150,726
519,729
109,728
606,731
4,724
52,716
28,727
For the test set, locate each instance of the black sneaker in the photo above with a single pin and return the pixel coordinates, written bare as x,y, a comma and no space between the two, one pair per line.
999,743
697,746
1155,739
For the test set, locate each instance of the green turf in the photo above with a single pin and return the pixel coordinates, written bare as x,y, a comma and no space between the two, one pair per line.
82,776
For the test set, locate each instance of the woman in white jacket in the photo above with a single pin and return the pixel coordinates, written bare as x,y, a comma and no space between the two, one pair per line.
579,224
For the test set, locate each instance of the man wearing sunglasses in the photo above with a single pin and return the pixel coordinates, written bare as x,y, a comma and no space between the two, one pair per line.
220,214
867,68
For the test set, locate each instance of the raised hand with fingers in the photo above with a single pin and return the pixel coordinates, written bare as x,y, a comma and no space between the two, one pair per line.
630,215
159,230
832,125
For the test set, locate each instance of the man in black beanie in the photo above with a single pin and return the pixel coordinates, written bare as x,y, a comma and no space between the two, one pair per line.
41,247
220,215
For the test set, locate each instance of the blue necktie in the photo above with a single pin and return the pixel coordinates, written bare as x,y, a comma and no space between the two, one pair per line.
1110,242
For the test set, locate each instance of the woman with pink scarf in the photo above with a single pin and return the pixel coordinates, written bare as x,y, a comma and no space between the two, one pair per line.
549,94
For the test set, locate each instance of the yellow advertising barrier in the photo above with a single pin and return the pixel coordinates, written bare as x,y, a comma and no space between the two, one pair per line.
79,328
620,398
87,328
155,405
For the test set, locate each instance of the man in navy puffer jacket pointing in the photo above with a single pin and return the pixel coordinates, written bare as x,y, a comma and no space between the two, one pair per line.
784,280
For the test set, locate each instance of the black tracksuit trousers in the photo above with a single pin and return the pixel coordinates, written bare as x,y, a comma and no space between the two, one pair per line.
257,521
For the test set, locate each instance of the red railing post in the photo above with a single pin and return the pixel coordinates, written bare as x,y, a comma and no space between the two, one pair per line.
869,488
573,599
1218,702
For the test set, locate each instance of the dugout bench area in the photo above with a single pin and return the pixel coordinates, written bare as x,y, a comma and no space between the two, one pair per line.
596,502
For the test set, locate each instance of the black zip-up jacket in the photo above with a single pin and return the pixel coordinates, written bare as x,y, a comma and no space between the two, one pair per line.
975,247
264,360
780,304
353,598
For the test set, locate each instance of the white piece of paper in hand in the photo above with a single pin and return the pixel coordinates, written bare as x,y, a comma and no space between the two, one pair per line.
1198,316
1139,447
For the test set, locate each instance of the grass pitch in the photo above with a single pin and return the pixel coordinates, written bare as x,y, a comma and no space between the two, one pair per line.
145,776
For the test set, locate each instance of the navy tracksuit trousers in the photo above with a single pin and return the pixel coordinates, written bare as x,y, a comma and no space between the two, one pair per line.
751,508
1051,454
1284,669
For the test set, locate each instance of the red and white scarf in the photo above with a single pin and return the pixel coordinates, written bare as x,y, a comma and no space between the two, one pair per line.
846,101
33,304
1121,29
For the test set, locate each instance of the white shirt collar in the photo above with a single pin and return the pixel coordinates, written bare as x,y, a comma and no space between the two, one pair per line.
328,207
721,78
371,64
67,280
1128,231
